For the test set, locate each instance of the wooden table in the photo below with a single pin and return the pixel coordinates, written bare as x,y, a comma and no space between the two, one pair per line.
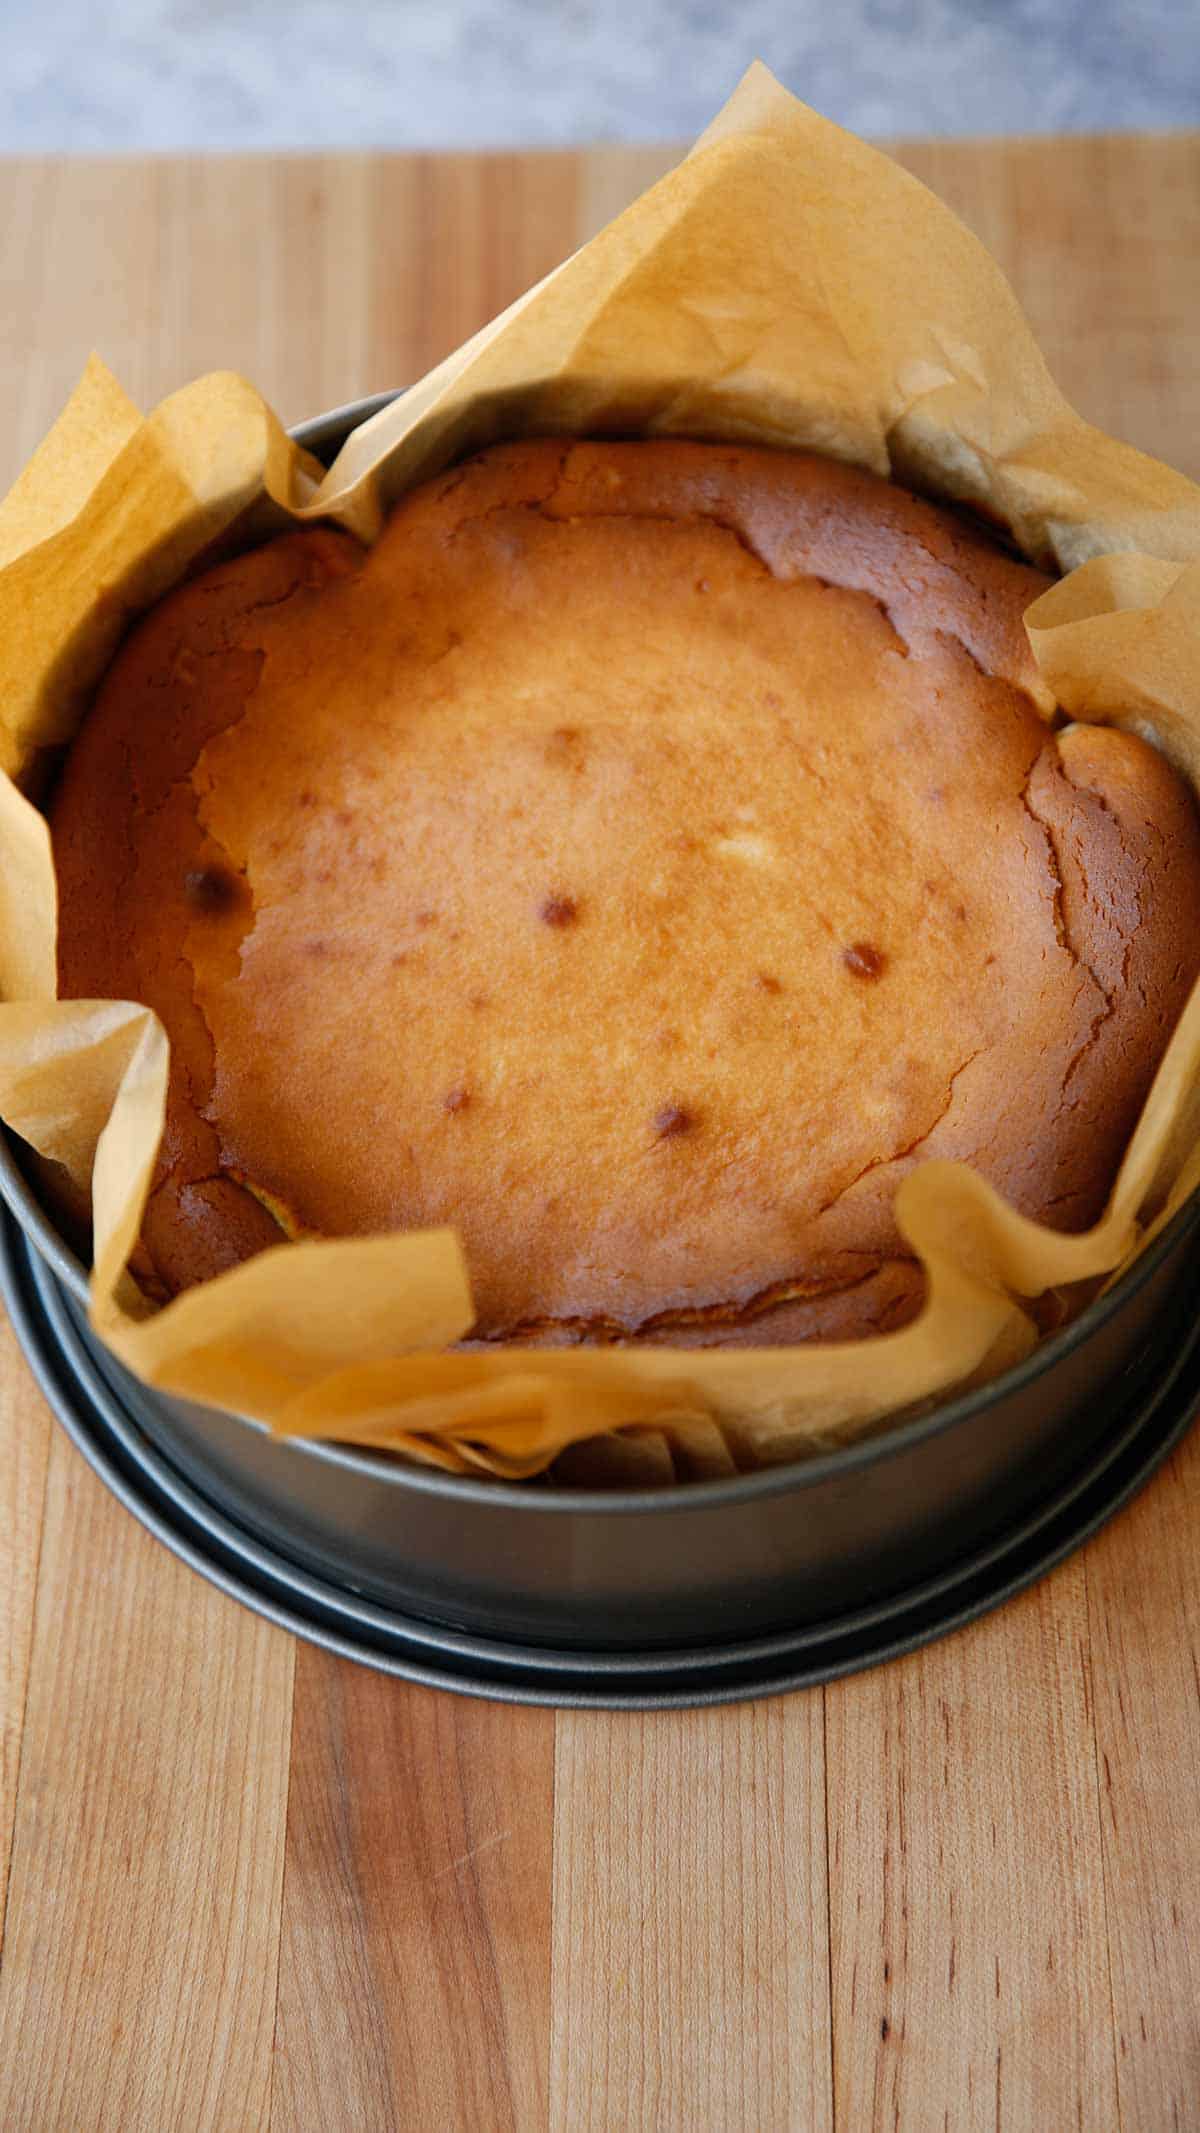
252,1886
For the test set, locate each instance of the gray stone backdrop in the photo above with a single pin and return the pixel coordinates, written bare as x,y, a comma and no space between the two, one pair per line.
99,74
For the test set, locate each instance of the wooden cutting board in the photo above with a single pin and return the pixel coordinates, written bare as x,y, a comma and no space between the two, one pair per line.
252,1886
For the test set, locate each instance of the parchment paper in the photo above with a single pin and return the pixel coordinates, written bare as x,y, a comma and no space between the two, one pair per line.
786,285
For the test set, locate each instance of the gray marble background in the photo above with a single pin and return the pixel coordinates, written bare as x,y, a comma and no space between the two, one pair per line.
101,74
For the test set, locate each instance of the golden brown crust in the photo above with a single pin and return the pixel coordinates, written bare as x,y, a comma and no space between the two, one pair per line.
640,859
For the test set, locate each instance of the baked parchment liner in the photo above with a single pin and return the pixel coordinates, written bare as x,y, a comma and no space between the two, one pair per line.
785,285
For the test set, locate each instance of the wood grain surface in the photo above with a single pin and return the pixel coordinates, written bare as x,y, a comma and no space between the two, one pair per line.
250,1886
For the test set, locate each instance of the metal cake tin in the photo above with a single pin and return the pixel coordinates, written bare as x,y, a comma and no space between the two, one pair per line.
707,1590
